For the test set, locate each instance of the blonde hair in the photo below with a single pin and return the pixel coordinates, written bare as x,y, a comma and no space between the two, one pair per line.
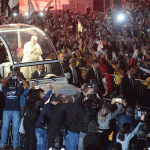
106,108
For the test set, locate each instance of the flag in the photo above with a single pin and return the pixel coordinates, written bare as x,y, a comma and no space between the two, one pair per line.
107,81
80,27
111,136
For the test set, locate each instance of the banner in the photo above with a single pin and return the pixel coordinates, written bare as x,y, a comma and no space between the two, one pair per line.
39,5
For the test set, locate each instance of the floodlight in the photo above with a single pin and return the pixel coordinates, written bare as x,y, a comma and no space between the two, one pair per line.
120,17
15,14
41,14
26,14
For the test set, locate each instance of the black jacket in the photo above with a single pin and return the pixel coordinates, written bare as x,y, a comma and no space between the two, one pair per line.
58,118
35,75
73,115
80,78
87,116
79,98
91,75
129,93
32,112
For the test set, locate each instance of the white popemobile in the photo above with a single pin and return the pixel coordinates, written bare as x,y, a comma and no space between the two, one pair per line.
19,42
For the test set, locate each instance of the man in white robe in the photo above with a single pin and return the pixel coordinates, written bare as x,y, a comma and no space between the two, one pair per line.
32,52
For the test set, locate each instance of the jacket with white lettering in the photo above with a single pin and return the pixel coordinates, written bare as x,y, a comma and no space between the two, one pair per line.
12,97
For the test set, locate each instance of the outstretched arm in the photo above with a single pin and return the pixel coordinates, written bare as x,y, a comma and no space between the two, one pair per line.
6,79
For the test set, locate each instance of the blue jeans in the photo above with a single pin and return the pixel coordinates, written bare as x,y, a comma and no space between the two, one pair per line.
42,139
72,140
7,117
81,138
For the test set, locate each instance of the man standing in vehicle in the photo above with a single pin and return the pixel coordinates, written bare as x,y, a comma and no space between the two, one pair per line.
32,52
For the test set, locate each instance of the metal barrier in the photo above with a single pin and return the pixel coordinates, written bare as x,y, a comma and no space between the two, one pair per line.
139,85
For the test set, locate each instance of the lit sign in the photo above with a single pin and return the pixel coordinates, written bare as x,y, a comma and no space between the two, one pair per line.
39,5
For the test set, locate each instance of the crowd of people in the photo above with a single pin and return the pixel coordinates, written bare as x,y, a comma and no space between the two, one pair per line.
81,122
109,60
122,48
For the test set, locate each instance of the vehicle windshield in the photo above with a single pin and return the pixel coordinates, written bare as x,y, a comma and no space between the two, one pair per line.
46,71
27,44
29,49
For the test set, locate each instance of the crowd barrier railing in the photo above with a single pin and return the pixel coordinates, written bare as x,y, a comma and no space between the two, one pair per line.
140,86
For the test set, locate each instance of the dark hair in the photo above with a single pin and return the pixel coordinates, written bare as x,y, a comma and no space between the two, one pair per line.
34,94
125,128
129,67
142,133
28,82
33,102
62,98
30,91
12,82
86,86
141,144
147,119
95,61
88,103
54,99
130,110
70,99
41,90
16,69
117,146
93,126
58,139
93,146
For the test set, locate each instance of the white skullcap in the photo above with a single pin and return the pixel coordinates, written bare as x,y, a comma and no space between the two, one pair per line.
34,37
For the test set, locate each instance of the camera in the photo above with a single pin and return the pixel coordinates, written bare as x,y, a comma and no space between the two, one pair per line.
118,100
70,99
13,82
94,85
14,74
